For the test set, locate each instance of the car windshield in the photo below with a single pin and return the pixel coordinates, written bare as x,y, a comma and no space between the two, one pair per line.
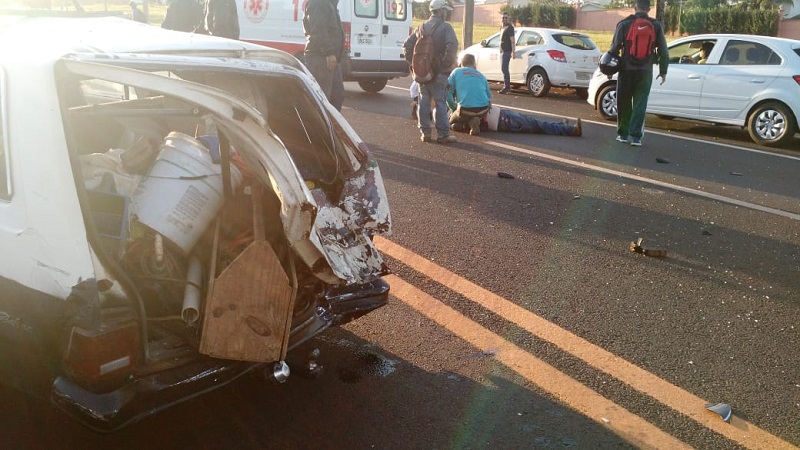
576,41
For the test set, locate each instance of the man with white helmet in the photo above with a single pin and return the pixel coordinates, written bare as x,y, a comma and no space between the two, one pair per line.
445,44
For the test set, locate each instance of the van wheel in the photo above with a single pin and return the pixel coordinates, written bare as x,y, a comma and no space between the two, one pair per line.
375,85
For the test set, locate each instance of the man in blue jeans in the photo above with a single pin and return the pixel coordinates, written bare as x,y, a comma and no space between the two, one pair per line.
445,46
508,45
636,75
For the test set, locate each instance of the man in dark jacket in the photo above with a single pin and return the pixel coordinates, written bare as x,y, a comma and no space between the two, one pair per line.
325,47
445,46
221,18
136,13
636,76
183,15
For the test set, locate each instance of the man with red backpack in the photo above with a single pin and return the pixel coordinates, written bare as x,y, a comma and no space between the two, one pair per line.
641,42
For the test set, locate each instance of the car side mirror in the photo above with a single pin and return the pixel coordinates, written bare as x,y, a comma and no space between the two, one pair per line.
484,43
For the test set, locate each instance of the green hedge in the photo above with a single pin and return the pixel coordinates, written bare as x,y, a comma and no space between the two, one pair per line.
724,19
420,10
548,15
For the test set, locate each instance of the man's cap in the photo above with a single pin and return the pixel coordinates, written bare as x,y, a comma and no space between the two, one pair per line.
439,4
643,4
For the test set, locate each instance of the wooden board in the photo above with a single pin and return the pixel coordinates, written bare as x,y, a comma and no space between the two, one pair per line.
248,312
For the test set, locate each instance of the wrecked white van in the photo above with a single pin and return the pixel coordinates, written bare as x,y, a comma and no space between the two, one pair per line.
176,210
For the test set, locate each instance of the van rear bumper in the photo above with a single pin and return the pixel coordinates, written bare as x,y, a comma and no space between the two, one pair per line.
163,387
353,70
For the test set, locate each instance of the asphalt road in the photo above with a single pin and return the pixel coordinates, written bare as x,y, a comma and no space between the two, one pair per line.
519,317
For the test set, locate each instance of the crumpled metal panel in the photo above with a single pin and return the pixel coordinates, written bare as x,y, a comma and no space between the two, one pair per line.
364,198
344,229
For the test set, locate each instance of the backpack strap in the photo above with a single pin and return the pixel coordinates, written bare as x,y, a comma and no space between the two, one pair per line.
433,30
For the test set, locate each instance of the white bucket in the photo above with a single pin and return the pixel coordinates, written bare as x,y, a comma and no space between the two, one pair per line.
183,191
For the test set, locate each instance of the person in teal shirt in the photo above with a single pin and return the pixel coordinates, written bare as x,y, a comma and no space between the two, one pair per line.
468,95
469,100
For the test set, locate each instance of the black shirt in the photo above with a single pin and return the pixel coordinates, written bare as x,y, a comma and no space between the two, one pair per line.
506,37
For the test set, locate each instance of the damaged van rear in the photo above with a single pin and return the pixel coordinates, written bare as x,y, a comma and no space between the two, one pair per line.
176,211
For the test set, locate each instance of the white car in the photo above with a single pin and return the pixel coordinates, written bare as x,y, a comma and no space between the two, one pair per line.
544,58
747,80
176,211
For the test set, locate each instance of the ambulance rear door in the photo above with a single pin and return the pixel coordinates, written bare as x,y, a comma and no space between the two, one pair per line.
378,29
394,31
365,35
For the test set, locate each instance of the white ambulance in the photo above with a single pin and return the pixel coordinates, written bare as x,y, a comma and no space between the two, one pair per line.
374,32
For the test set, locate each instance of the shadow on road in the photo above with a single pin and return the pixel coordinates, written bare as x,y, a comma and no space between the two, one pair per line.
367,398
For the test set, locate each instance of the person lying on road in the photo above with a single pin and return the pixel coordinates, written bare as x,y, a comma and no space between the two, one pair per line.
469,100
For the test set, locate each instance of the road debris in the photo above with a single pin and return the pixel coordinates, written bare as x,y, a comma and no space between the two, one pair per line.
576,197
736,174
724,410
505,175
662,160
636,247
706,233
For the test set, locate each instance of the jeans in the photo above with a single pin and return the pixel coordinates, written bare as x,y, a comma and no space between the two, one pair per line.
515,122
504,69
331,82
633,90
436,90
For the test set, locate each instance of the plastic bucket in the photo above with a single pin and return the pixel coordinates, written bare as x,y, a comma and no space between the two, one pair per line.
182,193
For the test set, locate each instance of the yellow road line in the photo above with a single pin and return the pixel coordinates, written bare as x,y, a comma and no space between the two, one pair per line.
667,393
629,426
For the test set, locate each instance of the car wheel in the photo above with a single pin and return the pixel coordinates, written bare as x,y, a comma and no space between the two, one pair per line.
538,83
582,93
771,124
607,102
374,85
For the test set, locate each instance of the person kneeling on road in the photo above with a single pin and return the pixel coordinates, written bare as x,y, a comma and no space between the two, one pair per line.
469,100
468,95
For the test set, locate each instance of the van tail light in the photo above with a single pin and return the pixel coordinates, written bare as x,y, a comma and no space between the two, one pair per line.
346,29
796,79
103,358
557,55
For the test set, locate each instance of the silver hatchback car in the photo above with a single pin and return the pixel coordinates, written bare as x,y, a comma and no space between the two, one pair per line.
544,58
744,80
